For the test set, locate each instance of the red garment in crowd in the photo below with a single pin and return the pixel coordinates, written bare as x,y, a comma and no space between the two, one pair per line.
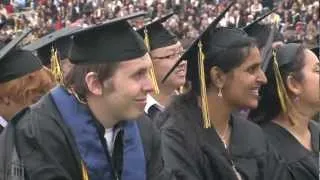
58,25
9,8
42,2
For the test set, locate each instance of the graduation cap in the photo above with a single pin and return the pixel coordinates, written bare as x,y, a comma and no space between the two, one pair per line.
211,39
266,52
112,41
251,27
265,35
57,40
286,53
156,34
259,31
15,62
52,48
192,50
13,43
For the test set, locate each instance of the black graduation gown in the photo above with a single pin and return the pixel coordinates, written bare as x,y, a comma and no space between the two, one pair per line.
196,153
11,166
153,112
48,149
301,164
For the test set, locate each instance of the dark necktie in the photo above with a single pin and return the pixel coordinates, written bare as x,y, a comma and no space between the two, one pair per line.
117,155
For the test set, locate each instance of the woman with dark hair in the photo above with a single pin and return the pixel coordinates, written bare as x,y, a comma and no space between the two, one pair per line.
201,137
289,101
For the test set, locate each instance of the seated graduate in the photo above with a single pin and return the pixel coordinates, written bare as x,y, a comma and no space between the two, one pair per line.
84,129
289,101
201,138
262,34
23,79
53,49
165,51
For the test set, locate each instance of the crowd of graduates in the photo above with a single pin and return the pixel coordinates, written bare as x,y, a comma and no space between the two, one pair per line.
126,99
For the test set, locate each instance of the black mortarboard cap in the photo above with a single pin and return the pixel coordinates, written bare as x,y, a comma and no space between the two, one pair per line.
266,49
250,27
14,62
287,53
259,31
59,40
13,43
191,53
112,41
158,35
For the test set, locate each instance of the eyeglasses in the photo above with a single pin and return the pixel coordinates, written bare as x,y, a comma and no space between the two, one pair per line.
171,56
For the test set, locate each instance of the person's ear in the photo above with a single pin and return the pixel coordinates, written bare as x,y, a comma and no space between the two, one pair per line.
95,87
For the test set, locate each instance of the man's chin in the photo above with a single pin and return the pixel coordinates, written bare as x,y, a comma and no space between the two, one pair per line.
134,115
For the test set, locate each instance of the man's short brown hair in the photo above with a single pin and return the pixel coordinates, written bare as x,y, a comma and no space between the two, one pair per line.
75,79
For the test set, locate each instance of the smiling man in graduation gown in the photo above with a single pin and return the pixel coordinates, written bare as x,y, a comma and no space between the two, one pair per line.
165,50
85,129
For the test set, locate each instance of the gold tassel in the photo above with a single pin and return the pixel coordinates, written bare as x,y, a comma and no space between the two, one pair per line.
285,101
204,98
56,67
84,172
152,74
146,39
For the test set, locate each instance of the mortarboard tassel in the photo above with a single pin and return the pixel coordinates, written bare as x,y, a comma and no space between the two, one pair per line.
281,90
146,39
151,72
204,98
84,172
56,67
